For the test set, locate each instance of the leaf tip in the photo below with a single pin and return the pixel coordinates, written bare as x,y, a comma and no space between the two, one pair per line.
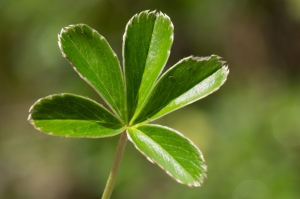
200,58
165,16
226,69
150,12
31,121
29,118
194,184
60,42
216,56
129,23
31,108
62,31
33,105
65,30
61,49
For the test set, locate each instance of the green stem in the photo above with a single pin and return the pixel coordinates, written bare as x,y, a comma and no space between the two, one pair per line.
115,167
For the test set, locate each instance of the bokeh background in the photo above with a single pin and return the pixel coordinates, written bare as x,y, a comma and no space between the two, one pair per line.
248,131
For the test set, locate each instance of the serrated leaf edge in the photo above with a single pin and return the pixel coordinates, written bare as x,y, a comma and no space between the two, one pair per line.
129,23
164,65
198,59
31,121
64,30
224,67
147,12
203,167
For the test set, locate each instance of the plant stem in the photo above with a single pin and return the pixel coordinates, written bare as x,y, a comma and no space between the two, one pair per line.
115,167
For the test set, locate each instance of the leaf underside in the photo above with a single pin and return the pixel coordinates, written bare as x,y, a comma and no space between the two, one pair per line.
174,153
70,115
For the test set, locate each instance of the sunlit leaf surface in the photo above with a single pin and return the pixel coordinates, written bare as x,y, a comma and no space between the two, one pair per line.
201,90
174,153
182,79
146,48
96,63
136,95
73,116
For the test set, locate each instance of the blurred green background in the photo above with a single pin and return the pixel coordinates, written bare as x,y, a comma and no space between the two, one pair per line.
248,131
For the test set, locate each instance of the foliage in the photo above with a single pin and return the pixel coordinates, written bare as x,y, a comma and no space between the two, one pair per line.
135,95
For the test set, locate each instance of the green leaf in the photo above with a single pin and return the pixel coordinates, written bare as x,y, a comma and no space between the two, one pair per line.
95,62
182,84
138,96
201,90
146,48
73,116
174,153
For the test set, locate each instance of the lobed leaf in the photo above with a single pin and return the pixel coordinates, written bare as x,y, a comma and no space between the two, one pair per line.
70,115
146,48
95,62
187,81
174,153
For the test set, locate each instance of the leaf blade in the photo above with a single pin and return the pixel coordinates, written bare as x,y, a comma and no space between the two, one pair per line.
201,90
71,115
146,48
95,62
174,153
178,81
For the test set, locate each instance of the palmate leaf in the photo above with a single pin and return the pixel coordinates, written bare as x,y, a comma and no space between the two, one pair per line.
146,48
94,60
136,96
73,116
187,81
174,153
